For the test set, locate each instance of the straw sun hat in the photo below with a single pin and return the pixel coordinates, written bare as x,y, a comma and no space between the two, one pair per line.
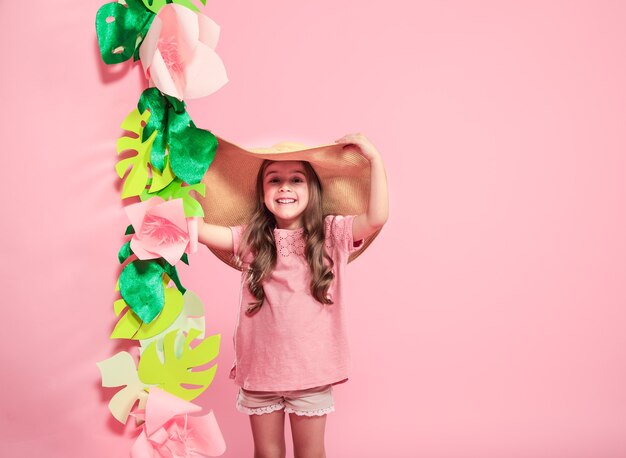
231,180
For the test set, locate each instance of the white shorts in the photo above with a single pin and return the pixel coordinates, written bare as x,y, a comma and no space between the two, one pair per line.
310,402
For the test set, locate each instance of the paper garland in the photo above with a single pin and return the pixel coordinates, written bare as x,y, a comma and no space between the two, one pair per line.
169,430
164,158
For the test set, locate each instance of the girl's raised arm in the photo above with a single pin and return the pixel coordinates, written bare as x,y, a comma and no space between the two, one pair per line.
216,237
378,204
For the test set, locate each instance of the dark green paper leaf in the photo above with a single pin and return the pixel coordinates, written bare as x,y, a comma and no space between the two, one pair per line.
121,30
191,153
191,150
141,286
151,99
124,252
171,271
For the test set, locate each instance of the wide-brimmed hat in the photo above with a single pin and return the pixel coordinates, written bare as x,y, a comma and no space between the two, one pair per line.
231,183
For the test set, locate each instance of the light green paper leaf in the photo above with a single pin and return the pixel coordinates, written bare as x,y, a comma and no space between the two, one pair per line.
130,325
161,180
120,370
119,305
156,5
192,317
137,178
176,190
171,373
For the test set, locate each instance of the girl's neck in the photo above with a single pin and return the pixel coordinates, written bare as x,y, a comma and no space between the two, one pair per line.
289,224
289,227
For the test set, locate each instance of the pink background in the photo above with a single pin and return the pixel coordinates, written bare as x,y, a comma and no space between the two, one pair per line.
487,320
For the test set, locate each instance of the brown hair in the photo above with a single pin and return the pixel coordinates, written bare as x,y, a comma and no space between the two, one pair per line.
258,239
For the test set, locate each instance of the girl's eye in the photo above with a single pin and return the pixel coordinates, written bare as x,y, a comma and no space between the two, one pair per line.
297,180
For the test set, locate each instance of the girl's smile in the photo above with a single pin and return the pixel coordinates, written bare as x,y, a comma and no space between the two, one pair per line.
286,193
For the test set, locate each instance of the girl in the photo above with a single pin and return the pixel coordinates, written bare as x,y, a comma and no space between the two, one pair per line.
290,339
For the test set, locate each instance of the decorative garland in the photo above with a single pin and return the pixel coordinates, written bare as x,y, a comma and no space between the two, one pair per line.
175,44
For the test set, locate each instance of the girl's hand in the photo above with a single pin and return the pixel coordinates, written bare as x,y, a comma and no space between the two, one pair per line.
377,211
361,144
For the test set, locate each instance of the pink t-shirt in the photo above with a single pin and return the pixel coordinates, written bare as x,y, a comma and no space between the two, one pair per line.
294,342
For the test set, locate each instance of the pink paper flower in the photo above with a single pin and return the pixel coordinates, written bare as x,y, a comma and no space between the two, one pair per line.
161,230
168,430
178,54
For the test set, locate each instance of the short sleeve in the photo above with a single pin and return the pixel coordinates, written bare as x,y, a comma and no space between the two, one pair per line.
237,232
338,231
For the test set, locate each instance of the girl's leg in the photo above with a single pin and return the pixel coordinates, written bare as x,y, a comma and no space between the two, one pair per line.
268,432
308,435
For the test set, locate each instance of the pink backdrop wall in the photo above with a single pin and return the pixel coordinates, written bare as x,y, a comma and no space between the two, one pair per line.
488,318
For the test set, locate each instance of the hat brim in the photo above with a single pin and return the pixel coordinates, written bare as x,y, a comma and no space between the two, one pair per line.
231,181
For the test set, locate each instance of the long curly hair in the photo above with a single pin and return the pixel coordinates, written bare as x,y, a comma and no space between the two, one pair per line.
258,239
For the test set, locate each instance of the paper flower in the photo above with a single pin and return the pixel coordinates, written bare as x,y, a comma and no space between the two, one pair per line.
161,230
178,54
169,431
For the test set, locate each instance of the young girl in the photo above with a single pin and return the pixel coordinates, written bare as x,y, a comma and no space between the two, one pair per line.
290,339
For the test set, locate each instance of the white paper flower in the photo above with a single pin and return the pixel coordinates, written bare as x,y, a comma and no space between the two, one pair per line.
178,53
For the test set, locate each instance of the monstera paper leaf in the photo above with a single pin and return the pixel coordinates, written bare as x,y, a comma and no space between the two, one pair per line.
192,317
161,179
175,374
121,28
139,176
120,370
176,190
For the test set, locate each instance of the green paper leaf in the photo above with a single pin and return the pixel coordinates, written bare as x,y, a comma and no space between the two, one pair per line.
192,317
161,180
192,151
176,190
119,305
121,30
157,105
130,230
130,325
171,373
137,178
173,274
156,5
124,252
185,258
141,286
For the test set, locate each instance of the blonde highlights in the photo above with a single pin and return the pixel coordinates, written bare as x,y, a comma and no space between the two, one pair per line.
258,239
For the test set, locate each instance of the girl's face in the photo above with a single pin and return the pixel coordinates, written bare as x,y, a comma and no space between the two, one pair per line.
286,193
